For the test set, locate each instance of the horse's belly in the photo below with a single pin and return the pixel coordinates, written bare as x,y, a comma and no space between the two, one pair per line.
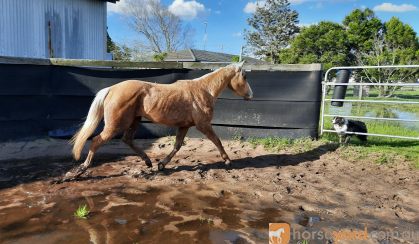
176,116
170,120
171,107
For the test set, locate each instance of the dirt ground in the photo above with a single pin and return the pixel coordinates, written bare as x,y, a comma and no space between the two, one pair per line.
196,199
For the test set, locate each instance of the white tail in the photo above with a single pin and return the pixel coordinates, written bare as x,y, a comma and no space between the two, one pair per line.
93,119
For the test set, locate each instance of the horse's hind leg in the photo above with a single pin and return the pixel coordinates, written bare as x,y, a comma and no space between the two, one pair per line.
128,139
207,130
180,136
99,140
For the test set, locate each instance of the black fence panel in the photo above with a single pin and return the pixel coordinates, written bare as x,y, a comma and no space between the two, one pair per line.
35,100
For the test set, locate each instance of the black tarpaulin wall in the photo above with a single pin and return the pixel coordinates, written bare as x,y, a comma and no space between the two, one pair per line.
35,99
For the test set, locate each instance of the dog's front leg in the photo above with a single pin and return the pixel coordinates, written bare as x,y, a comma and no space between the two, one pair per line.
341,138
347,139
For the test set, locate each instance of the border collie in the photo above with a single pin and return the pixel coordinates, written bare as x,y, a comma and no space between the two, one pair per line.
343,126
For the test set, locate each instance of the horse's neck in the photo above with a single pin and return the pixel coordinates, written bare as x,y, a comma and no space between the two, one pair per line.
216,81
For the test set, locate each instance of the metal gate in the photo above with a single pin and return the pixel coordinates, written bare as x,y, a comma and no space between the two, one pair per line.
325,84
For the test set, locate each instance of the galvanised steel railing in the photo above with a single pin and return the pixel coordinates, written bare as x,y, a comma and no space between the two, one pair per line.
324,99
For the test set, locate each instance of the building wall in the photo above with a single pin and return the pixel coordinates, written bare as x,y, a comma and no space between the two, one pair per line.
53,28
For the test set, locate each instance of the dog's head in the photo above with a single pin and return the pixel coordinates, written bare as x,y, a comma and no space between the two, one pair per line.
338,121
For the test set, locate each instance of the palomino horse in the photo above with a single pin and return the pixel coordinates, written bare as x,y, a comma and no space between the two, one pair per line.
183,104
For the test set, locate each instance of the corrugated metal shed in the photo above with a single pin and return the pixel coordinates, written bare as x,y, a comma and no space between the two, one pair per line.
53,28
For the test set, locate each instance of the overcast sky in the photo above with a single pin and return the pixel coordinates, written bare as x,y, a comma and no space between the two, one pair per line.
226,19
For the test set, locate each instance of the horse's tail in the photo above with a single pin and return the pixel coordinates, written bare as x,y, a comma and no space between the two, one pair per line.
93,119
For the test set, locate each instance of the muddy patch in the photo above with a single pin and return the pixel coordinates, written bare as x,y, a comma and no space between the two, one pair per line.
196,199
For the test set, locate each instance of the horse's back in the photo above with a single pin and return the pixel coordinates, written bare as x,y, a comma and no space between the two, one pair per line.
175,104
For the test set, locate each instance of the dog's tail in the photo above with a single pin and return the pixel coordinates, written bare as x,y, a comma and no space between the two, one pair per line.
93,119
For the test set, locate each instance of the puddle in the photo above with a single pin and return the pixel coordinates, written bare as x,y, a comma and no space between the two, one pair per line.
129,214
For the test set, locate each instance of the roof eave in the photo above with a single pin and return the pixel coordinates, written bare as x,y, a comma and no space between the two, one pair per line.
178,60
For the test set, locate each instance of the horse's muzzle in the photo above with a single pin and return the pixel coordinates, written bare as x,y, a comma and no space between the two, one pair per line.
248,98
249,94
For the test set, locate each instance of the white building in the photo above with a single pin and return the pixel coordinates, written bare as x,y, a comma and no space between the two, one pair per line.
53,28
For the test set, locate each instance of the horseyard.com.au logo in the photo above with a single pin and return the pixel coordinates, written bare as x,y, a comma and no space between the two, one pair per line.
279,233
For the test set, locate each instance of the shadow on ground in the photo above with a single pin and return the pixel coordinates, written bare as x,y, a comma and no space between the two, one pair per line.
263,161
16,172
13,173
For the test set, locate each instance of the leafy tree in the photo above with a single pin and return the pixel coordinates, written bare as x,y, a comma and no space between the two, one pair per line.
395,44
159,57
118,52
400,35
362,27
326,42
235,59
110,45
273,26
362,40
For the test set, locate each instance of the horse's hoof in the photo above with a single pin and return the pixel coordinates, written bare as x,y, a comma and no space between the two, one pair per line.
149,164
61,180
160,166
72,175
57,180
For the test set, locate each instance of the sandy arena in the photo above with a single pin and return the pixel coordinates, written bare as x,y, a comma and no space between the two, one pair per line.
197,200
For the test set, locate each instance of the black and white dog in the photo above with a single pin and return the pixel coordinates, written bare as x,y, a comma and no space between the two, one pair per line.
343,126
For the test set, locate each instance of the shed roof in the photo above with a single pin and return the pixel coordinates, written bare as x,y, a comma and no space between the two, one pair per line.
195,55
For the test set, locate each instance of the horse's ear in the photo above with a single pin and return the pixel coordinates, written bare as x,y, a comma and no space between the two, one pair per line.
239,66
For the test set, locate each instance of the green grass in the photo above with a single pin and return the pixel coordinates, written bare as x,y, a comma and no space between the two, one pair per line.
383,150
401,94
204,220
386,150
405,93
276,144
82,212
377,149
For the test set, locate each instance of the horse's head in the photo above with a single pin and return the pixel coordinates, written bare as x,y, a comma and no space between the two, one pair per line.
239,83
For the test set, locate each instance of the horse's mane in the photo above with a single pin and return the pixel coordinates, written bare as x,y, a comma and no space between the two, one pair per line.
216,71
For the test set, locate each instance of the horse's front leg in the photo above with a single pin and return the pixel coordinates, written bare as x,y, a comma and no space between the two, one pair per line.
180,136
207,130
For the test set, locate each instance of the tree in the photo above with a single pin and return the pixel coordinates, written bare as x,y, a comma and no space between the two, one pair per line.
118,52
395,44
161,31
326,43
235,59
273,26
159,57
362,27
362,40
400,35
